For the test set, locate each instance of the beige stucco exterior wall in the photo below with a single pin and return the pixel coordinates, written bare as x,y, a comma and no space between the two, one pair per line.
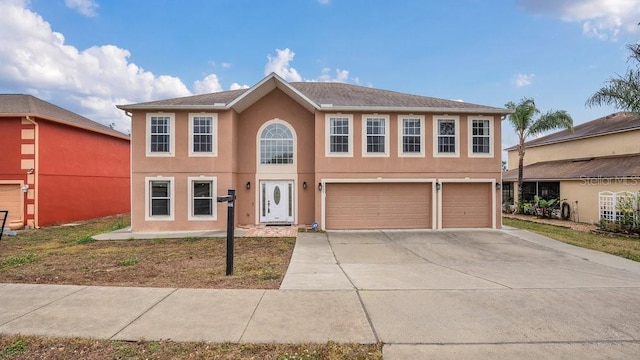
586,191
605,145
237,152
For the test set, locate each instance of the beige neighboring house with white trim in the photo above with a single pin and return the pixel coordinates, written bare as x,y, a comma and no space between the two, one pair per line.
599,156
340,155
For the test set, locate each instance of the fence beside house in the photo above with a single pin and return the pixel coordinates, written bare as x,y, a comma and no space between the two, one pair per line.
621,209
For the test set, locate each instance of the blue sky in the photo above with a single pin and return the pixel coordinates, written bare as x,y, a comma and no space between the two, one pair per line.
88,55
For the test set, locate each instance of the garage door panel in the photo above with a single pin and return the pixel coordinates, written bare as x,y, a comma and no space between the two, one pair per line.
378,206
466,205
11,199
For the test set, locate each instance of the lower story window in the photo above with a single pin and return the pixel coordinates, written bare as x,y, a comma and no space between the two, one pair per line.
202,193
160,198
202,198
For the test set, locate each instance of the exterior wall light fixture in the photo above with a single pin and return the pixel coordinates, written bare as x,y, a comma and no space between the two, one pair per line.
498,186
304,184
248,185
320,186
438,186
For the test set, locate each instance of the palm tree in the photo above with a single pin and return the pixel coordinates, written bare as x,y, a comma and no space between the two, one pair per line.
522,120
622,92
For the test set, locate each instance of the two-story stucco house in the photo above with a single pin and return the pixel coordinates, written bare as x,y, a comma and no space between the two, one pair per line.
344,156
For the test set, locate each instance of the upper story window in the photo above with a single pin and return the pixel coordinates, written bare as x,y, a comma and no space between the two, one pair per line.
411,135
339,140
276,144
202,140
447,133
480,137
376,141
160,138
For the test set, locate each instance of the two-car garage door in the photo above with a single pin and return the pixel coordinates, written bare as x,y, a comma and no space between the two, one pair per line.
378,206
407,205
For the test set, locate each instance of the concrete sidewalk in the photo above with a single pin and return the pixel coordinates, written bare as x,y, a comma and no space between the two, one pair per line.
442,295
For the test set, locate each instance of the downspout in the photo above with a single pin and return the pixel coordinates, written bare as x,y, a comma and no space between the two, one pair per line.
36,170
130,115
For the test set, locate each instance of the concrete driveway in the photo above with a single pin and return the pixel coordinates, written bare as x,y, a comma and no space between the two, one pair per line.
481,294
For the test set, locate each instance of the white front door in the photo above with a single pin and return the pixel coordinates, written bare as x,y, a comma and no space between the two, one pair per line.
276,201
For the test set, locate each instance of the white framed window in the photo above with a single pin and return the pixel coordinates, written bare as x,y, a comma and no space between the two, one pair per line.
480,136
375,135
203,134
339,135
202,198
446,130
160,134
159,198
276,145
411,135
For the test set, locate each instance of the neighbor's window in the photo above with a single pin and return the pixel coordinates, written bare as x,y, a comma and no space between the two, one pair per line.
375,134
160,141
481,136
447,136
412,135
203,137
276,144
160,195
339,135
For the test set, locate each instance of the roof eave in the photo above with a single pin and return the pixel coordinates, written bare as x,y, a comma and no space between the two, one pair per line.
515,147
266,85
172,107
68,123
445,110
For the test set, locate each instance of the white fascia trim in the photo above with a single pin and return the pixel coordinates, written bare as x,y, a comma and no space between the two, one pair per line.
493,183
323,193
329,107
279,82
173,107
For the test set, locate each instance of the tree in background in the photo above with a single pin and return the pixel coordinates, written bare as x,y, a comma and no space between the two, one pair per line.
623,91
526,122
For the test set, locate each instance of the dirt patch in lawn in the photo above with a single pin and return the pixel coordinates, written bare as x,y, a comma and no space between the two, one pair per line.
68,255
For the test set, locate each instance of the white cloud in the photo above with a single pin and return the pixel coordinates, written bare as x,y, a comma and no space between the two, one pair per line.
324,2
279,64
84,7
207,85
236,86
522,80
341,75
603,19
35,59
226,65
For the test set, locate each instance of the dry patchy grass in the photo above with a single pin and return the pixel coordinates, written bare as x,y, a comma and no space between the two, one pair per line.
612,244
68,255
30,347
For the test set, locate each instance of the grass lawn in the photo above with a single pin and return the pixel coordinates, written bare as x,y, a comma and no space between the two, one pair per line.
622,246
30,347
68,255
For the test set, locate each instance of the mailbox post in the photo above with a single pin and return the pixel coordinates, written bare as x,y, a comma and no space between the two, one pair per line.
230,200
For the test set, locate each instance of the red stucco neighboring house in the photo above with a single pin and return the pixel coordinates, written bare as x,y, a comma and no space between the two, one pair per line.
57,166
339,155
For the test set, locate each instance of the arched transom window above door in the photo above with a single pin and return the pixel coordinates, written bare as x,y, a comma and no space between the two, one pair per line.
276,144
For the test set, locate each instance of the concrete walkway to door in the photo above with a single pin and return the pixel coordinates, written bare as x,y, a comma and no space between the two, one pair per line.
478,294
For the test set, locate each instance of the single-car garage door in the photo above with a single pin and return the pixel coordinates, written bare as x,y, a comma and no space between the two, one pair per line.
10,199
466,205
378,206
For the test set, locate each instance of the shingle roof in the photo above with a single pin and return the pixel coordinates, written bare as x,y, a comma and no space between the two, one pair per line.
600,167
28,105
612,123
322,95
